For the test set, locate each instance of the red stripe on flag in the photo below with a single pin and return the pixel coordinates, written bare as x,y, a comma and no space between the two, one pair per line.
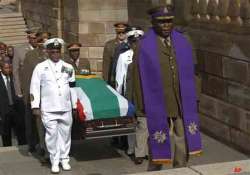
80,112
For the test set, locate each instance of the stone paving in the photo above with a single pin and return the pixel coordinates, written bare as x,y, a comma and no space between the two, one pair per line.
97,157
227,168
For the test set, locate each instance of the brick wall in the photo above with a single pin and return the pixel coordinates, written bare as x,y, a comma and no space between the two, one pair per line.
225,101
223,59
70,20
96,19
89,22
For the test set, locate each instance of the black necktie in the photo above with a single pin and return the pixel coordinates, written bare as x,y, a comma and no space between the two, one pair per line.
9,91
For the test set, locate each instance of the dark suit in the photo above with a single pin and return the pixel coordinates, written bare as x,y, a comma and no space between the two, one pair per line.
9,115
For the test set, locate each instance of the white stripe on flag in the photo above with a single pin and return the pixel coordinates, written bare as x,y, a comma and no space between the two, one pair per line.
84,99
123,102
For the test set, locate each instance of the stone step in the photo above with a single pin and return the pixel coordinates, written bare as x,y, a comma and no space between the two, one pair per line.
12,23
13,148
10,38
4,35
13,30
22,26
16,42
11,15
226,168
11,19
11,34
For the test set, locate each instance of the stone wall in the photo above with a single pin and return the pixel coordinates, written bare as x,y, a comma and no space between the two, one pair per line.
89,22
221,39
96,19
137,11
42,13
70,20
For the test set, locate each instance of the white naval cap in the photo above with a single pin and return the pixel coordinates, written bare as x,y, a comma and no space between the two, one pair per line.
135,32
54,43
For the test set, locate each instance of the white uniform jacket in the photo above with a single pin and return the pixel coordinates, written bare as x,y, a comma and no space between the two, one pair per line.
50,86
122,68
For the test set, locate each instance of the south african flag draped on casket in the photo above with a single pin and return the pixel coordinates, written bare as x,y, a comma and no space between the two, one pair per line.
97,100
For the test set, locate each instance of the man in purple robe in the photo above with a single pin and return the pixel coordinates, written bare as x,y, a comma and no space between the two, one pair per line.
164,92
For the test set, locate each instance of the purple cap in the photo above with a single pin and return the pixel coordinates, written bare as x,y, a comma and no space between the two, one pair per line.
162,12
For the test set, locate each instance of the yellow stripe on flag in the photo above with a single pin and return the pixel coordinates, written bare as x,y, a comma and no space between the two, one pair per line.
86,76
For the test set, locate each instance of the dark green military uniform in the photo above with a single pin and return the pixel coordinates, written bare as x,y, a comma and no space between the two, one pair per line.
34,125
32,58
83,65
172,97
108,54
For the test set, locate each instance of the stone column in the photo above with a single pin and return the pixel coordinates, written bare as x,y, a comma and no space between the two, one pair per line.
96,19
234,12
245,12
222,11
203,10
212,10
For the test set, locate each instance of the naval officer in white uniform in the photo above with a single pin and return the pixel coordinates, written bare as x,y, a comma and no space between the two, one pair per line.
50,95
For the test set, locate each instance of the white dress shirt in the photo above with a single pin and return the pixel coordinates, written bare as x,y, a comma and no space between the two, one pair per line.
5,79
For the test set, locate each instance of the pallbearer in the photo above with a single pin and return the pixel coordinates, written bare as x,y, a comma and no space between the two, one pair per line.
164,91
51,96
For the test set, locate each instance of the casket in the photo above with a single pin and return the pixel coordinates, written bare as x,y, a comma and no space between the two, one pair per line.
102,112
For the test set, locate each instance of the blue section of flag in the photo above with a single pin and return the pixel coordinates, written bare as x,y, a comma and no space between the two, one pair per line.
131,110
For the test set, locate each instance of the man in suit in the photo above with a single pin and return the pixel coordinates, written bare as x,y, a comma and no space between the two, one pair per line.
81,65
19,75
109,51
9,108
164,92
